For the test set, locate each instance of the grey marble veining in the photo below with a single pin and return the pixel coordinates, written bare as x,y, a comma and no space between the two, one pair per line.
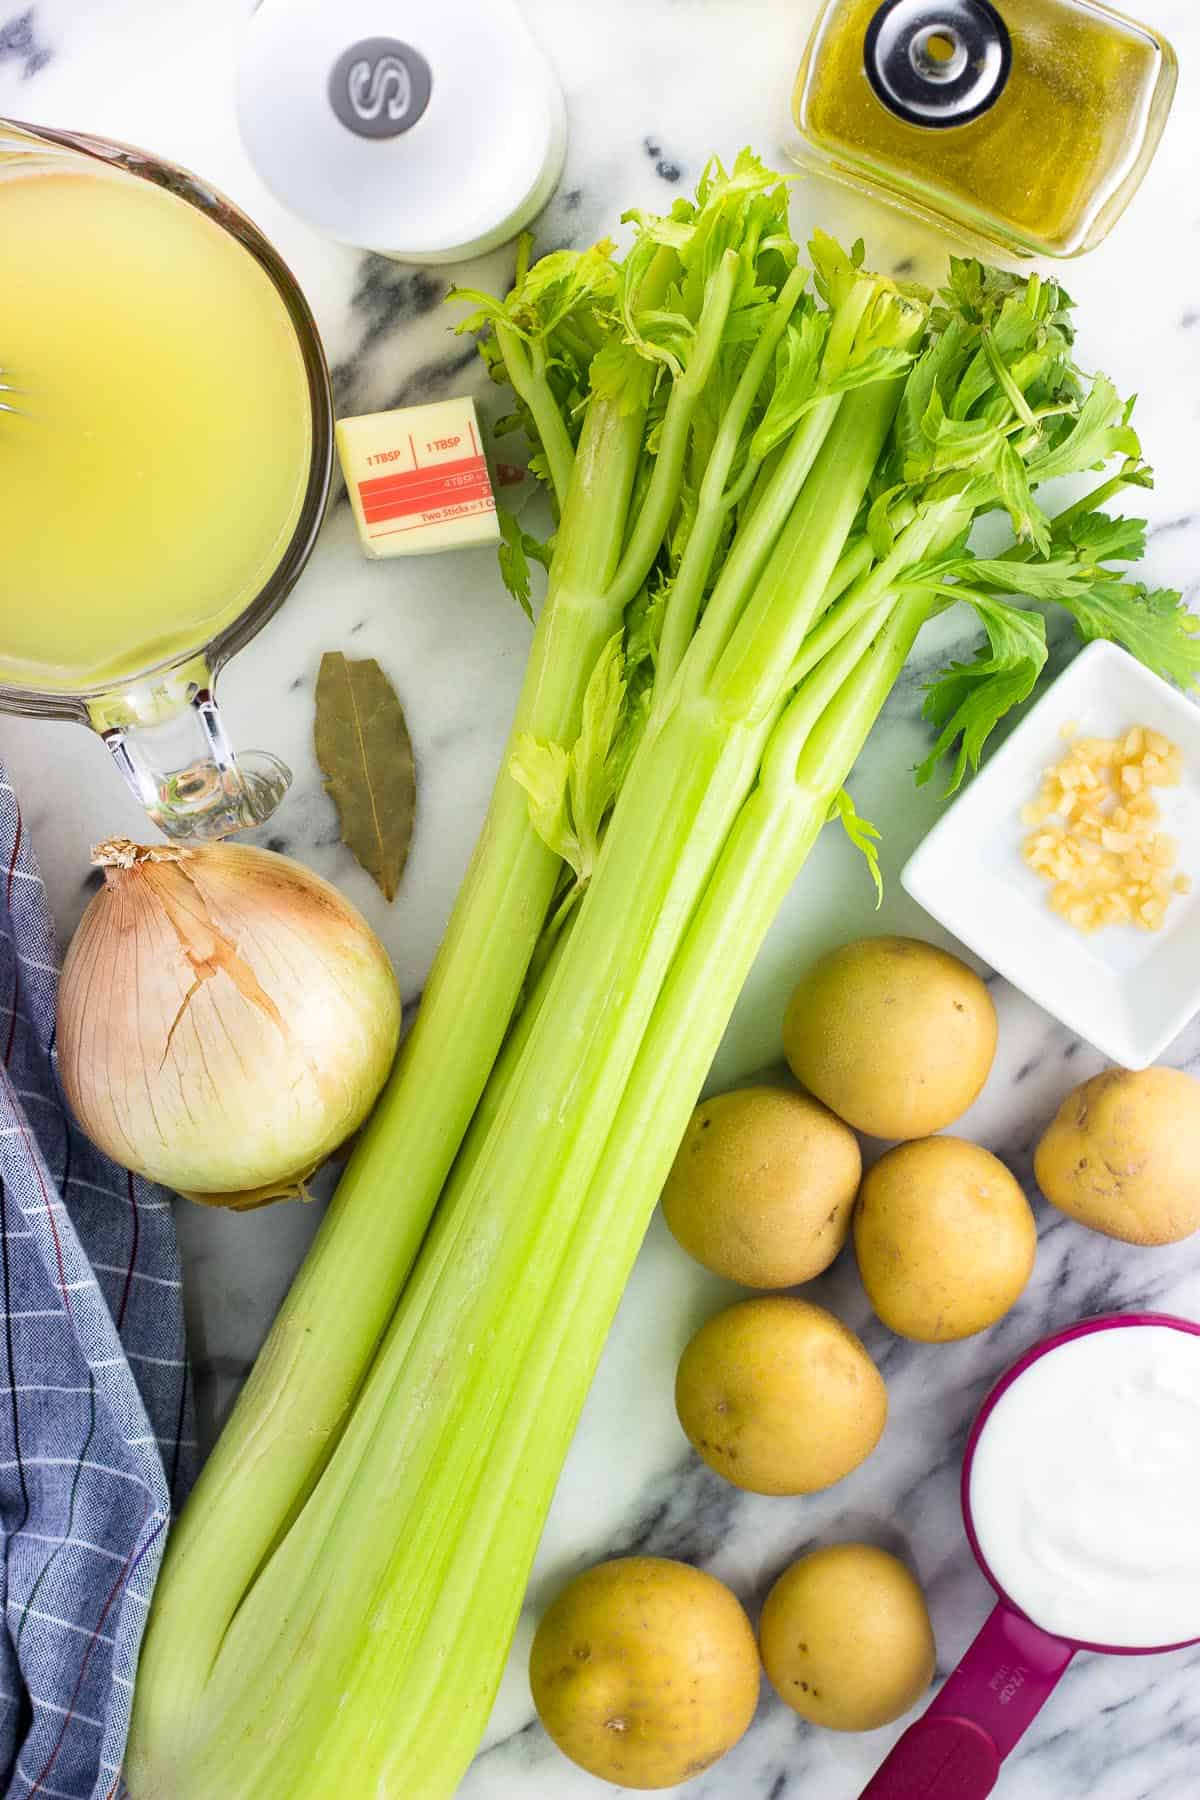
653,86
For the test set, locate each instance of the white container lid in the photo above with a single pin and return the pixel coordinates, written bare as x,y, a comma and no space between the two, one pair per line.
429,130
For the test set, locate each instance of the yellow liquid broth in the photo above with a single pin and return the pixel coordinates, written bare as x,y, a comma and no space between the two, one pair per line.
1058,143
158,473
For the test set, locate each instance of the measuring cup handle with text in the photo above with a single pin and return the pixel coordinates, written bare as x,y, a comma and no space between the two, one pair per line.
955,1749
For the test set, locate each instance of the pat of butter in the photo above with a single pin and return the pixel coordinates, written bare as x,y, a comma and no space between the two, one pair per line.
417,479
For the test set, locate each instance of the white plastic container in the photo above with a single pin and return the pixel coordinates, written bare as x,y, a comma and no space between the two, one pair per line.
427,130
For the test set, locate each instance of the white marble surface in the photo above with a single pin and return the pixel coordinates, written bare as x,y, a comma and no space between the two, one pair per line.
653,86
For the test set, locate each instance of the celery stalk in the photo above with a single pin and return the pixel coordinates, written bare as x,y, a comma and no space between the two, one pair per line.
688,587
758,654
674,812
500,1528
293,1406
295,1403
480,1518
663,490
530,385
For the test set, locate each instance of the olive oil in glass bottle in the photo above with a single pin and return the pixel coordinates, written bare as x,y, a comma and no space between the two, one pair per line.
1028,123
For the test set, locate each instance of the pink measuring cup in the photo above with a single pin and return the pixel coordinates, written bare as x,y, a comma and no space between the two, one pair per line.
954,1751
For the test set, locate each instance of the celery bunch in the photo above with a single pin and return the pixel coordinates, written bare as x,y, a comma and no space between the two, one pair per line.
764,488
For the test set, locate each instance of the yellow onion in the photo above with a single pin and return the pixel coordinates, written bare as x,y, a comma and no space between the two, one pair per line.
225,1019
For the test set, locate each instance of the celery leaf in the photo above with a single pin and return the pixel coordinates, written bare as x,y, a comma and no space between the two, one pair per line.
880,364
862,834
1153,624
797,365
834,273
1099,430
593,776
487,310
571,792
968,700
1061,579
543,770
1014,489
1102,538
514,553
881,530
619,374
948,443
545,294
937,369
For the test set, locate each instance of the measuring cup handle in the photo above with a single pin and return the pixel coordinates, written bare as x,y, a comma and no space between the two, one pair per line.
169,741
938,1759
954,1752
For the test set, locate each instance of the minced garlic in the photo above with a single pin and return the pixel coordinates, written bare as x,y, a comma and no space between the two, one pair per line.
1096,836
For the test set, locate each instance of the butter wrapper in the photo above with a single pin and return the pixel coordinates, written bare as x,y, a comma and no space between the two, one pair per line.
417,479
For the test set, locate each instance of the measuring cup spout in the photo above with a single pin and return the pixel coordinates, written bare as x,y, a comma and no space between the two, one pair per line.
955,1750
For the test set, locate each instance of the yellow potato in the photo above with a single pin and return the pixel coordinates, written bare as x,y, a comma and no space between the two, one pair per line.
846,1639
895,1035
945,1239
1123,1155
645,1671
780,1397
763,1186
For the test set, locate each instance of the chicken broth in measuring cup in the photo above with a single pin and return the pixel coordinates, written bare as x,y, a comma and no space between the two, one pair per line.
166,435
157,456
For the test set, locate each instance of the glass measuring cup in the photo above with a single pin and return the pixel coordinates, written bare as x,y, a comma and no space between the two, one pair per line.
150,694
954,1751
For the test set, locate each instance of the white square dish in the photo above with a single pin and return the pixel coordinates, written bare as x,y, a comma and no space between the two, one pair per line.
1128,992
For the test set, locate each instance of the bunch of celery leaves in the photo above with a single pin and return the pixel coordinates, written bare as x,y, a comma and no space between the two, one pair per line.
764,477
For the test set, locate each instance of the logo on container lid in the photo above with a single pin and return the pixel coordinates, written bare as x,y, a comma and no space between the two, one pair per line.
380,87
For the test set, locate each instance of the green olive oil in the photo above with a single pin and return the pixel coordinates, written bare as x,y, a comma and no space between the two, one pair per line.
1037,150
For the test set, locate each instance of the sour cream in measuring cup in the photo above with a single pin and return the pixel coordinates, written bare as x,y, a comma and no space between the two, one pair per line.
1085,1488
1079,1497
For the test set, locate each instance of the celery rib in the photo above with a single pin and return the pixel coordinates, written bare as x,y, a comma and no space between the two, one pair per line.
530,385
503,1227
577,1255
687,589
935,528
293,1407
655,512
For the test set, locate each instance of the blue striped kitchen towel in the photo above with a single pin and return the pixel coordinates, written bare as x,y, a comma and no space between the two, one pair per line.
94,1410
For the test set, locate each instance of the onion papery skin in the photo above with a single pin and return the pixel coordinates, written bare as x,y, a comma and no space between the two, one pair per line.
226,1019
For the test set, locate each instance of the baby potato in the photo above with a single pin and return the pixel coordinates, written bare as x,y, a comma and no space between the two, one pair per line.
1123,1155
895,1035
846,1639
779,1397
762,1187
644,1671
945,1239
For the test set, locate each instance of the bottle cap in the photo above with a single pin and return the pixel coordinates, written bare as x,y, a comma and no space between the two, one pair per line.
431,130
937,62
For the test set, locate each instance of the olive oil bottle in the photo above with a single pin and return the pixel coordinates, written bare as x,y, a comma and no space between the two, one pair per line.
1028,123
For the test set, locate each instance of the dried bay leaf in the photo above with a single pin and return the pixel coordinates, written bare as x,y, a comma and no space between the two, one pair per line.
366,758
